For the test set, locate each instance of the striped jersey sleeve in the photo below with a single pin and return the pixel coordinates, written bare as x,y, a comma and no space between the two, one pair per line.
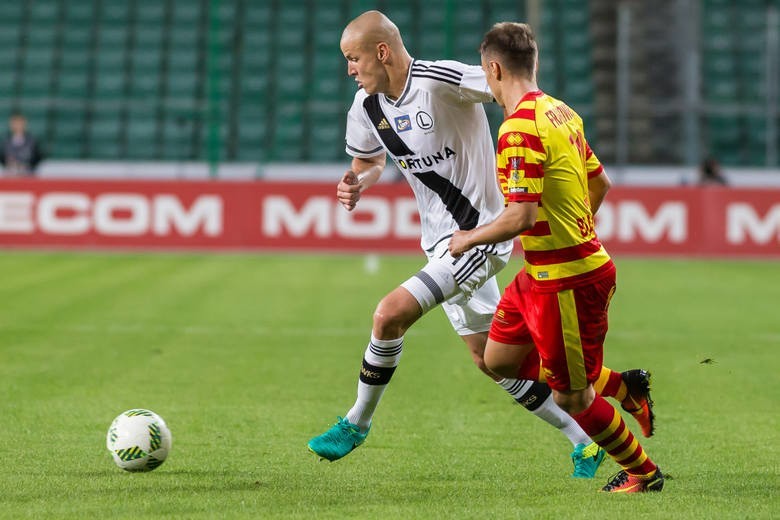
465,83
361,142
592,163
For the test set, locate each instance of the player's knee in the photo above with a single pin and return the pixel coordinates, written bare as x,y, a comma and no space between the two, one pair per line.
479,360
389,322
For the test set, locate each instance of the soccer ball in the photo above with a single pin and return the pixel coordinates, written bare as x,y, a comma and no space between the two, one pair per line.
139,440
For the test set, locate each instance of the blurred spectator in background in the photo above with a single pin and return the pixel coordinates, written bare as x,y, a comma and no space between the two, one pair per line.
21,151
710,173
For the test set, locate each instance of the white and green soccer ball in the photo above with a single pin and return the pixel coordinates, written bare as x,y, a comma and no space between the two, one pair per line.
139,440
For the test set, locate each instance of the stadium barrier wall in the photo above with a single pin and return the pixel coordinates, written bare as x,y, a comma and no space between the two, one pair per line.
288,216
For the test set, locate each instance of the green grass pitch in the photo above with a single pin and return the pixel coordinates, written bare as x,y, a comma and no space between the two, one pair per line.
248,356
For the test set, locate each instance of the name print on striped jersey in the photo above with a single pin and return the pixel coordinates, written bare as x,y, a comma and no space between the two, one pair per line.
559,115
427,161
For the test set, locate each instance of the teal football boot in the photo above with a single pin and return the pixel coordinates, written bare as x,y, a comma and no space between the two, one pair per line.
338,441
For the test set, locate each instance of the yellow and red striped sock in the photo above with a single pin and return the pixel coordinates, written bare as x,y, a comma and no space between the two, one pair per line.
606,427
610,384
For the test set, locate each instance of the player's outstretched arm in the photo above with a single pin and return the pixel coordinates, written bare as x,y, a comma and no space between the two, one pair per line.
363,174
516,218
598,187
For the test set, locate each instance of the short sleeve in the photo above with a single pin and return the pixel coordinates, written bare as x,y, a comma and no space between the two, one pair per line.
473,85
454,80
361,141
592,163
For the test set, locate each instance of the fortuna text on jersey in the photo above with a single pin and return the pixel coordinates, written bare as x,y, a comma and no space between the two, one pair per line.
426,161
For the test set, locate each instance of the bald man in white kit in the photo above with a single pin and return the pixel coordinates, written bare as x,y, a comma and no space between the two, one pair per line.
428,116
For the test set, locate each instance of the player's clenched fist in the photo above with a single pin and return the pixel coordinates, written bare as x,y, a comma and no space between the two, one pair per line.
348,190
459,243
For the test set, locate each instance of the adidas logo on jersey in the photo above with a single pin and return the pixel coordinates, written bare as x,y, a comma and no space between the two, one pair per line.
383,125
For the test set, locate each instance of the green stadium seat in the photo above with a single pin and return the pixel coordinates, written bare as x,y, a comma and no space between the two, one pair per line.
722,89
755,138
11,12
578,93
141,134
177,139
357,7
575,66
187,13
38,58
80,9
112,37
327,88
36,84
73,84
574,18
252,126
289,132
7,82
327,123
182,87
257,15
141,124
228,14
9,37
724,131
104,135
716,64
115,15
146,61
44,11
109,89
150,10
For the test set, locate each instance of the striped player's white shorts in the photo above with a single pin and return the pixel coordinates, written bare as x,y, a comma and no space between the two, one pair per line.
465,287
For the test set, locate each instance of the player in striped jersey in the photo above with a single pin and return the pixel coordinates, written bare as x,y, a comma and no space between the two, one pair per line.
428,117
558,303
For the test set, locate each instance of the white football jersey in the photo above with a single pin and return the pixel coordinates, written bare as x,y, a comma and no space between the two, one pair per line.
438,135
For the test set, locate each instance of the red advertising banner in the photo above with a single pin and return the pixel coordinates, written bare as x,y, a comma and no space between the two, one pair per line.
262,215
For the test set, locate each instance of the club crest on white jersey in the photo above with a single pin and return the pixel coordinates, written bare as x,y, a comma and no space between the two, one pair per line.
438,135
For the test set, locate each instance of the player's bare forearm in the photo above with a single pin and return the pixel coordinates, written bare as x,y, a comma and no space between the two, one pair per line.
368,170
515,219
598,187
363,174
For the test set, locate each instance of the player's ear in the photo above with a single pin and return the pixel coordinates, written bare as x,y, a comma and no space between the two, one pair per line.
382,51
495,70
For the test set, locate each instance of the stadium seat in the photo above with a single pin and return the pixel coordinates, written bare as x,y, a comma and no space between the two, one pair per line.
724,131
68,132
288,132
104,130
11,12
755,137
7,81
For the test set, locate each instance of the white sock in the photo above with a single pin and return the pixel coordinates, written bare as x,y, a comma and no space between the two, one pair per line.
537,398
379,362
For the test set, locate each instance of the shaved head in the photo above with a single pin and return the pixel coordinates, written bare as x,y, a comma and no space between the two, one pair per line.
373,27
375,53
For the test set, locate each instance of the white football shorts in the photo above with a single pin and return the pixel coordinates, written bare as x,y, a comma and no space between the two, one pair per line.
465,287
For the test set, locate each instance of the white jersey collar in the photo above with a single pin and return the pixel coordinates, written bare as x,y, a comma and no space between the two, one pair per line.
408,85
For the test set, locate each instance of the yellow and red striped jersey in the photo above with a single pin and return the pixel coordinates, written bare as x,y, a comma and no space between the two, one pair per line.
543,157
